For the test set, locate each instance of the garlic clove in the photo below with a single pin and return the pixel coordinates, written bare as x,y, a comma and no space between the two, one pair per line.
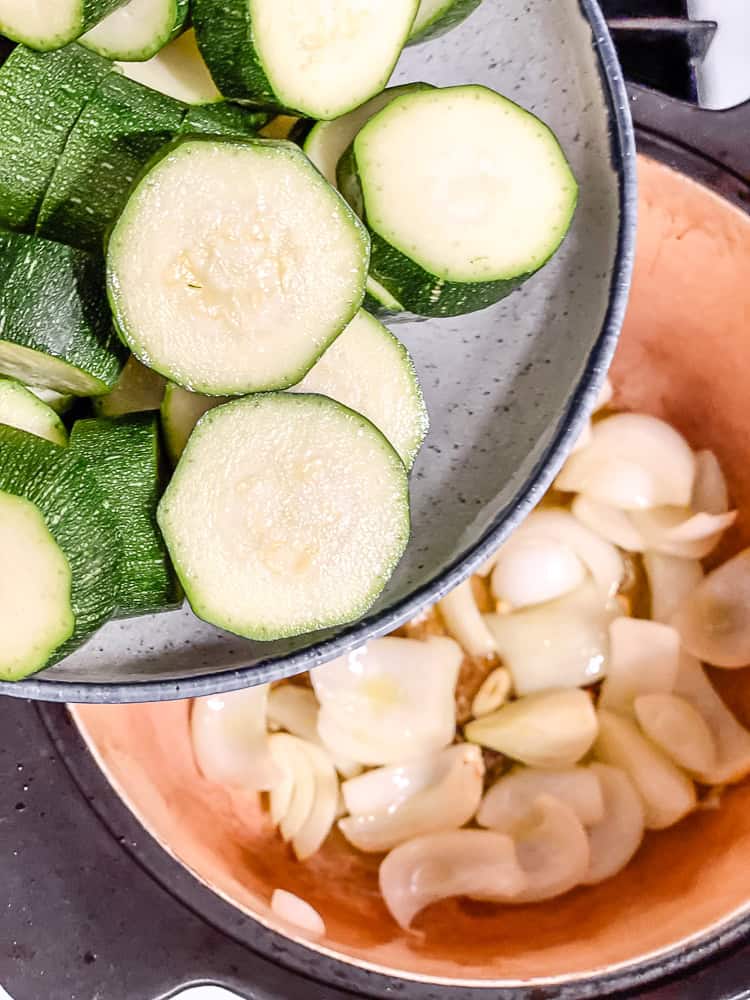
463,621
670,580
677,728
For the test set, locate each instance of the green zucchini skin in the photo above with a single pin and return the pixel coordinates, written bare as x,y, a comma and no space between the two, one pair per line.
92,11
180,12
53,301
224,31
79,517
454,13
41,97
124,456
121,128
223,119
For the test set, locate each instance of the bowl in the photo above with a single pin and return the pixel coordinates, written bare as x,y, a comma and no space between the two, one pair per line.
507,388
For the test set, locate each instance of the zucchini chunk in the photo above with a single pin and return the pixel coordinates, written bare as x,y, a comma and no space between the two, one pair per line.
180,412
57,401
178,71
436,17
138,390
51,25
223,118
20,408
137,30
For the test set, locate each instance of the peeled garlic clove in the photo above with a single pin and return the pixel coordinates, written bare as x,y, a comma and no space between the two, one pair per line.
617,836
666,792
493,693
633,461
549,729
297,912
230,741
714,621
288,754
533,570
553,851
476,863
710,491
679,532
670,580
678,729
643,659
310,836
508,803
447,804
610,523
461,616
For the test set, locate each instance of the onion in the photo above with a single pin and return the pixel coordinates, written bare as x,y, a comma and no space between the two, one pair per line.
670,580
714,621
643,659
549,729
476,863
678,729
463,621
674,531
508,803
633,461
553,851
230,741
297,912
295,709
322,816
449,801
493,693
667,793
531,570
608,522
614,840
305,815
710,492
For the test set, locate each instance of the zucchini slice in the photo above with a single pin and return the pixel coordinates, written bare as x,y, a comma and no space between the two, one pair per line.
52,24
436,17
55,327
36,616
287,513
120,129
20,408
78,517
223,118
123,455
465,195
57,401
234,265
41,97
370,371
178,71
137,30
180,412
319,58
138,389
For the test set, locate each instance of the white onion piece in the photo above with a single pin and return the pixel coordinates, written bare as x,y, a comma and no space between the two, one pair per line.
710,491
493,693
230,741
449,802
553,851
731,738
297,912
532,570
391,700
678,729
643,659
610,523
670,580
295,709
322,816
463,621
292,800
667,793
508,803
615,839
714,621
549,729
633,461
675,531
476,863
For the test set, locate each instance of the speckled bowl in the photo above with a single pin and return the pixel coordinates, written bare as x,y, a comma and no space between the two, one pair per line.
507,388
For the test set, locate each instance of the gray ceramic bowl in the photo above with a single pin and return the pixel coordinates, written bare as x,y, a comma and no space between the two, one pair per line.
507,388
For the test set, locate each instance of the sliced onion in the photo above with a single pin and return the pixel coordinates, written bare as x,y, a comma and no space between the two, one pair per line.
553,851
476,863
507,805
447,803
322,816
532,570
292,800
643,659
493,693
670,580
633,461
297,912
678,729
615,839
295,709
563,643
461,615
675,531
666,792
714,621
549,729
710,491
230,741
610,523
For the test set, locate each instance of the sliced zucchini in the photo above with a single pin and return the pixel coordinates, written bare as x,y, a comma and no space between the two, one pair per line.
51,24
379,299
21,408
55,327
436,17
465,195
123,454
319,58
41,96
180,412
120,129
304,520
78,517
138,389
234,265
57,401
223,118
137,30
370,371
177,71
36,616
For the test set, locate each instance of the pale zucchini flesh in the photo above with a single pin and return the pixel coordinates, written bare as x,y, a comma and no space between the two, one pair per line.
20,408
180,412
178,71
52,24
137,30
234,265
436,17
305,519
138,389
57,401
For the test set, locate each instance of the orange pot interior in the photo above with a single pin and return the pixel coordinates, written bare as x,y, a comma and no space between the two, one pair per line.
684,356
